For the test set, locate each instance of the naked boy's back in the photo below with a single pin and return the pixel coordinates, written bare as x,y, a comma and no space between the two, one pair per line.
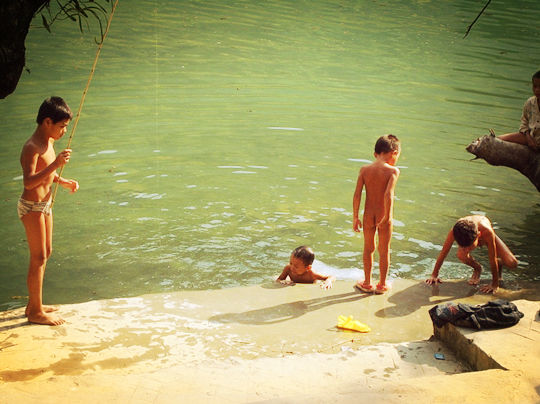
376,178
379,178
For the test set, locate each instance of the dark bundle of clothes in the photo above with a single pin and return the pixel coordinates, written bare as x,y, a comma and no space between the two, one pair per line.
495,314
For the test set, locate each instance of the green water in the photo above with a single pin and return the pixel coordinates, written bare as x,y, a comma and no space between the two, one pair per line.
218,135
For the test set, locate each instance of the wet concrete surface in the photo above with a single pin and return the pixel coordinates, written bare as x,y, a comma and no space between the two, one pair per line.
240,344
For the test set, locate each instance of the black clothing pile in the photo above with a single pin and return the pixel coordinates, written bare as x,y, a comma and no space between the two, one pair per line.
495,314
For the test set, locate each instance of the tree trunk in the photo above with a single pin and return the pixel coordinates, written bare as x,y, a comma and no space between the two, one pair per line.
500,153
15,18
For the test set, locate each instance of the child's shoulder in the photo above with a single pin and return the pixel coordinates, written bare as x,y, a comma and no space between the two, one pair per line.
33,146
483,222
377,168
391,169
30,145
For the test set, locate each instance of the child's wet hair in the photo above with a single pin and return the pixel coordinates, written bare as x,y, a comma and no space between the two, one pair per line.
536,75
55,108
465,232
387,143
304,253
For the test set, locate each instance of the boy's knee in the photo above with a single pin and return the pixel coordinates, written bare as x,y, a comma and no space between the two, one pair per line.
369,248
512,263
39,258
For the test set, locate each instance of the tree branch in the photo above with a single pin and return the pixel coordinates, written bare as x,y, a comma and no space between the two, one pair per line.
476,19
500,153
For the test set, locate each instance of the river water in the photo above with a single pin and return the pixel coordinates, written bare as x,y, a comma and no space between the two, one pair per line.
218,136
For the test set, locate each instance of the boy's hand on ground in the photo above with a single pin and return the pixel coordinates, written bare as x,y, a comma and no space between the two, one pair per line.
327,284
489,288
433,280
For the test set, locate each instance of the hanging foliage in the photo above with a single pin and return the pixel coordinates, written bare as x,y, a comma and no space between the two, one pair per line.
15,19
80,11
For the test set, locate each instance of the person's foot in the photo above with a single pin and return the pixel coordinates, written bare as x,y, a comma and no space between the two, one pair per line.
364,287
475,278
45,319
381,289
46,309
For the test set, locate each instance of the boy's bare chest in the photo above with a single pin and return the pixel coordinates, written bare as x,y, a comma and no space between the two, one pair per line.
306,277
45,157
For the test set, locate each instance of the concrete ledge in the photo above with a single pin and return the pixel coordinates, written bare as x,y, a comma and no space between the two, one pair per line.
506,348
464,348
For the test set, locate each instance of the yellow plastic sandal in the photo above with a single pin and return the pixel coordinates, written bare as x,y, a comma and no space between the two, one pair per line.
348,323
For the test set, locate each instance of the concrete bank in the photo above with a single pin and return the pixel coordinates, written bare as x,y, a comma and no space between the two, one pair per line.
264,343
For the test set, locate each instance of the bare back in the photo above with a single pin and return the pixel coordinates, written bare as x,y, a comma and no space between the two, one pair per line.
376,178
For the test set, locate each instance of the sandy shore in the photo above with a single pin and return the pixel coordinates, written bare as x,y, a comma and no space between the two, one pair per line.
265,343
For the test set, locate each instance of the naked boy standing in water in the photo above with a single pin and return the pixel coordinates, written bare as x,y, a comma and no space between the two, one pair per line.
39,164
379,178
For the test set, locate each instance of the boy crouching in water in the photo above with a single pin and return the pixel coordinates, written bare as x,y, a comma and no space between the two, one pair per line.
39,164
471,232
379,178
299,269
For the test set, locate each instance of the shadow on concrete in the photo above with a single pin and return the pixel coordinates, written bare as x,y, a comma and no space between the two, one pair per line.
13,316
411,299
285,311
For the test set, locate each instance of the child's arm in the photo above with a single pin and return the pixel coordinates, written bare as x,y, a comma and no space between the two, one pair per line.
357,199
530,140
489,239
389,197
281,278
524,127
328,280
72,185
440,259
29,160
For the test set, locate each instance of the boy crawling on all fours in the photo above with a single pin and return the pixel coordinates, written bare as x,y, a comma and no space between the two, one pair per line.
471,232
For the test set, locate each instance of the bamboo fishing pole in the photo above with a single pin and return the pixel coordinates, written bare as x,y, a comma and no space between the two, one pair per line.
76,121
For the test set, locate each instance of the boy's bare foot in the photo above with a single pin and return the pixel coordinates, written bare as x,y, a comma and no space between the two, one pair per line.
364,287
475,278
381,289
46,309
46,319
